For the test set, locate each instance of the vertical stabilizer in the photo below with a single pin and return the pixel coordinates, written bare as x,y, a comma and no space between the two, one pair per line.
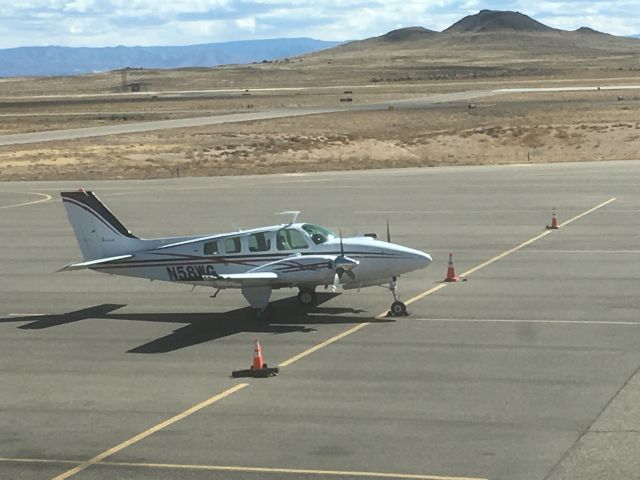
99,233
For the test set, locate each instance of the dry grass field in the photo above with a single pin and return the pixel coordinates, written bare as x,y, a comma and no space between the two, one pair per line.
540,127
508,128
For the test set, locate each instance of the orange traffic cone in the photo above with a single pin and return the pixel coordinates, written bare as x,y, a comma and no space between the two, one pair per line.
258,362
451,273
554,221
258,367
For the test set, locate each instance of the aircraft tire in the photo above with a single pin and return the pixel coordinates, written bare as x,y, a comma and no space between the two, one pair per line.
398,309
307,297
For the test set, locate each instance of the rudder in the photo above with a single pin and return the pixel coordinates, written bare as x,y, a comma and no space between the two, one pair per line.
99,233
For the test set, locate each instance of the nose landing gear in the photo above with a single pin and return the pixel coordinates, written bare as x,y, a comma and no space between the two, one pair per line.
397,309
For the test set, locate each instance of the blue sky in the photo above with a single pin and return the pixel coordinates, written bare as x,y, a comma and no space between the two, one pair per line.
91,23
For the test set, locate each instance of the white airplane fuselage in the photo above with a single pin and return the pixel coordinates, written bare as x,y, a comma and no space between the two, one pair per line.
299,255
187,263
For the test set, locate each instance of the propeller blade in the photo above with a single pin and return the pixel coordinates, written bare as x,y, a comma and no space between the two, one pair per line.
388,231
350,274
341,246
336,282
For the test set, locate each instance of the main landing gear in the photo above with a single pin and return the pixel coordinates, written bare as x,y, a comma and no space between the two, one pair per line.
307,297
397,309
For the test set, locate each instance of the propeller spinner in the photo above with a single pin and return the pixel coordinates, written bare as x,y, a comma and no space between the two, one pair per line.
341,265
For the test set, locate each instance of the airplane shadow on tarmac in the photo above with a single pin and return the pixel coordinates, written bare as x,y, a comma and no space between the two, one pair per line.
289,317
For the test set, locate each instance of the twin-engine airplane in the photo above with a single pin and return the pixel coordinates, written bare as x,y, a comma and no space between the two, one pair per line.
294,255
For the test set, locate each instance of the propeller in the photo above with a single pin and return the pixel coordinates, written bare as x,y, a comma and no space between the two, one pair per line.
388,231
342,265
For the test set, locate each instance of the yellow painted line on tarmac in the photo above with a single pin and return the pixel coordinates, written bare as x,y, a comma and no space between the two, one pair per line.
424,294
42,200
597,207
509,252
141,436
238,469
505,254
478,267
317,347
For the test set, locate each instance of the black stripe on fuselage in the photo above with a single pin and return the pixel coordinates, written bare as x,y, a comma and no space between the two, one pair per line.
90,203
246,260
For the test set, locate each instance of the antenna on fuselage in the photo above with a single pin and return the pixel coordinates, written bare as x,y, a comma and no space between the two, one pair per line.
294,214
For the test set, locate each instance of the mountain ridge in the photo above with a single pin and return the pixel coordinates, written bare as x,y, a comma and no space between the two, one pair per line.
58,60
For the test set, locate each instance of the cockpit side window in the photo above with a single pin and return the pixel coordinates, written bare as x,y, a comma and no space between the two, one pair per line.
258,242
232,245
211,248
290,239
318,234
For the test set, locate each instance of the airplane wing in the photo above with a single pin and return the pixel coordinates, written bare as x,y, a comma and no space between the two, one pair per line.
239,280
93,263
293,270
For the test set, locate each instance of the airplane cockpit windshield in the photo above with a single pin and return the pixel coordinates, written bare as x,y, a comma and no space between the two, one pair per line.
318,234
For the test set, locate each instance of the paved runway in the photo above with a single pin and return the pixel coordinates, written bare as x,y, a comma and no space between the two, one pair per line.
138,127
528,370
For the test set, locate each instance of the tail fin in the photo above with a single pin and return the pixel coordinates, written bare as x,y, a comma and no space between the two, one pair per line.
99,233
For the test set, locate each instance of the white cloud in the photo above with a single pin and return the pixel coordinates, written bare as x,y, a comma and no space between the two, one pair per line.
248,23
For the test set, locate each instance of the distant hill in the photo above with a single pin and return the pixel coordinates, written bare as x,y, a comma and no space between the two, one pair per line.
492,21
489,44
400,38
407,34
590,31
55,61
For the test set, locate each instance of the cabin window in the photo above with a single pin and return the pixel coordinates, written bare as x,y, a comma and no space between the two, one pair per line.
211,248
258,242
232,245
290,239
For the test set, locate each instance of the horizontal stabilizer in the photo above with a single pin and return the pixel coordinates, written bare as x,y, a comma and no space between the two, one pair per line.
93,263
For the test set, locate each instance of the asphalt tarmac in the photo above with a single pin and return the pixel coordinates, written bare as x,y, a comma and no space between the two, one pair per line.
527,370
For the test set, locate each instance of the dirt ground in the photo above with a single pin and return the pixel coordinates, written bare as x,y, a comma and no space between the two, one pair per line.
522,128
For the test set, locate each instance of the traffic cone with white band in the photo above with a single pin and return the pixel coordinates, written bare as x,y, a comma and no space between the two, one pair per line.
258,362
258,368
451,273
554,221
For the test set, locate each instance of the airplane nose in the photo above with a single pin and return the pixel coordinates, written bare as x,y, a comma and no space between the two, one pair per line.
424,258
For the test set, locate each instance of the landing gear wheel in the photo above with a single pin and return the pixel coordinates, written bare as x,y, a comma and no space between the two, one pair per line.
307,297
398,309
